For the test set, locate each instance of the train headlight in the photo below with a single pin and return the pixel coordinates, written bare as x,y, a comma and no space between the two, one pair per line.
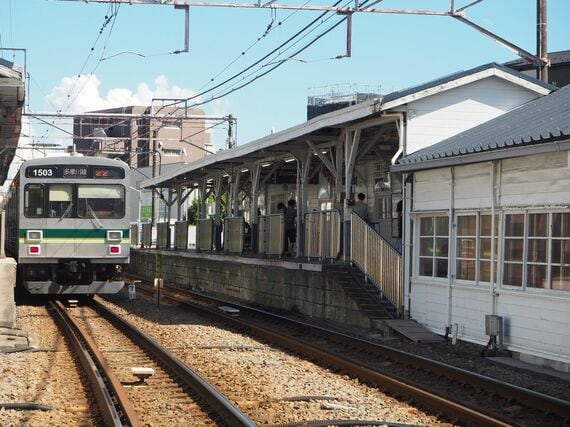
34,250
114,235
114,249
34,235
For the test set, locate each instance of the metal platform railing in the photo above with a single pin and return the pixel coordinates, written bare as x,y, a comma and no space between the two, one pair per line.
234,233
181,235
322,234
205,234
271,237
379,261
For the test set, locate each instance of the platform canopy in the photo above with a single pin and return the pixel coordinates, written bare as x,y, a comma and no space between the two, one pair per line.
322,131
11,107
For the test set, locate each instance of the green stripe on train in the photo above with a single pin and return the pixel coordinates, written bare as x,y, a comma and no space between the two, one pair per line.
71,232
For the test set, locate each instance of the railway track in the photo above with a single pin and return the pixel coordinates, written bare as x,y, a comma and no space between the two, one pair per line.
109,347
460,395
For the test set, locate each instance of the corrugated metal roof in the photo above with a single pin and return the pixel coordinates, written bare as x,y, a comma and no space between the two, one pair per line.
542,120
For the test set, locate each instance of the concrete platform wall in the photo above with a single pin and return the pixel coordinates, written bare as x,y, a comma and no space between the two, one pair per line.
311,293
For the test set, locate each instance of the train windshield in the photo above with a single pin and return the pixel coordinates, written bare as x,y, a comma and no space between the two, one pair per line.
60,200
100,201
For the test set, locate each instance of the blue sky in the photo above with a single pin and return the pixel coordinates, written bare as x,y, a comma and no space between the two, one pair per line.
388,51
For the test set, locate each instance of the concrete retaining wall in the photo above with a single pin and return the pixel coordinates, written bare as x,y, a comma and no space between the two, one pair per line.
7,283
311,293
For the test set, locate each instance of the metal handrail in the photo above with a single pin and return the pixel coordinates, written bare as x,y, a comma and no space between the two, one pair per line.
380,262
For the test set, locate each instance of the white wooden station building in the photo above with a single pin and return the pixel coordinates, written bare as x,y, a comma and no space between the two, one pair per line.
506,181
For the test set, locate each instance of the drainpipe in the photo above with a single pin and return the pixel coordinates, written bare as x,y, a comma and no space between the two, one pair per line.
493,287
450,247
402,137
407,200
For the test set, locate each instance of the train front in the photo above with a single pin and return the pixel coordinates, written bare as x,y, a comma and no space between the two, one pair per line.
73,225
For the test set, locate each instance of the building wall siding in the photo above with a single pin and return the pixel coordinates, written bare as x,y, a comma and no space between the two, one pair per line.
440,116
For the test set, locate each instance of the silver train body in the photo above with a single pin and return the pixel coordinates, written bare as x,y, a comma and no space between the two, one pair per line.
68,225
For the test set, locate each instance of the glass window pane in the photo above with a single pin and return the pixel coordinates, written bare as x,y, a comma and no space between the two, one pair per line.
426,267
465,270
59,193
466,248
560,251
441,246
34,201
485,271
486,225
536,276
513,249
514,225
426,246
466,225
561,224
59,201
441,267
538,225
101,201
561,278
512,274
426,226
441,226
537,250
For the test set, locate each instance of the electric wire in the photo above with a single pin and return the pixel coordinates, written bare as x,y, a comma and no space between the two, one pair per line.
110,17
268,30
277,65
301,31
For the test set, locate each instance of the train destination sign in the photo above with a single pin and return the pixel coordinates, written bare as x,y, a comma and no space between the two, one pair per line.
75,172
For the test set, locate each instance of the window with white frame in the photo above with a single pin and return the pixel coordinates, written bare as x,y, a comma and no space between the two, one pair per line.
473,249
433,248
537,250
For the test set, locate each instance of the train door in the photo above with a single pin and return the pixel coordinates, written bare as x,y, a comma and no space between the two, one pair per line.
60,224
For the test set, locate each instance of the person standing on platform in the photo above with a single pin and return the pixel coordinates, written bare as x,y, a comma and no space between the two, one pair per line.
290,229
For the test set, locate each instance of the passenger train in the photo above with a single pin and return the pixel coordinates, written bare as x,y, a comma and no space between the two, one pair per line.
68,225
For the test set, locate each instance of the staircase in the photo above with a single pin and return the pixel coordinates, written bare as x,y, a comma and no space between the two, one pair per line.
366,295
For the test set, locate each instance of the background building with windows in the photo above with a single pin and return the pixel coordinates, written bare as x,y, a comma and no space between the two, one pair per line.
177,135
488,224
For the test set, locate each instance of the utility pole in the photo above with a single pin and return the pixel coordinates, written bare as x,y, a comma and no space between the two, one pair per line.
155,200
541,40
231,141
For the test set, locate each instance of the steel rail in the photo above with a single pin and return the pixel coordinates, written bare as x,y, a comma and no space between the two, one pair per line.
542,402
95,366
218,402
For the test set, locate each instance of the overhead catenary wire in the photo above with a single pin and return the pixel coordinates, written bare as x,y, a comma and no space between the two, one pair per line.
301,31
277,65
110,17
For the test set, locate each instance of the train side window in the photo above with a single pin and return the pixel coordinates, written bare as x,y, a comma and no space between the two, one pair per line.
34,200
101,201
59,201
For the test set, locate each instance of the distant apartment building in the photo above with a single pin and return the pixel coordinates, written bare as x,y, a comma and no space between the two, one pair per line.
132,135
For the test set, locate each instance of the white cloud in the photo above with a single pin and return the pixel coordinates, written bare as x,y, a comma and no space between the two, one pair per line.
80,94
